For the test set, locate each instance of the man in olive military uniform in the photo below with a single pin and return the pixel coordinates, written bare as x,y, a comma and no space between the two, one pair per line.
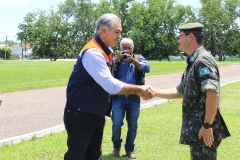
203,127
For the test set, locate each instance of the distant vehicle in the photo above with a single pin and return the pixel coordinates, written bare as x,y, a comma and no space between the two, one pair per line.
33,57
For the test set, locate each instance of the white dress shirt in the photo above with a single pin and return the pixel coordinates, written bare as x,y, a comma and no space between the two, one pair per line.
95,64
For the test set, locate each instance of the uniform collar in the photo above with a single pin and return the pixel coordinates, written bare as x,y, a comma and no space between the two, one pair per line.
194,55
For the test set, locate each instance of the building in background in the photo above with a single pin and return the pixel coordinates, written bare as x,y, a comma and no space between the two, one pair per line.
23,50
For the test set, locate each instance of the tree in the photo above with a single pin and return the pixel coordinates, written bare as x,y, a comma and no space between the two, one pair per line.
9,43
46,33
80,19
27,34
152,24
52,39
154,27
6,50
219,17
233,41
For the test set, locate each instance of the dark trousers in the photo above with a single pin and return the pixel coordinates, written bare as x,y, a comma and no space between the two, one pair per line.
199,151
85,132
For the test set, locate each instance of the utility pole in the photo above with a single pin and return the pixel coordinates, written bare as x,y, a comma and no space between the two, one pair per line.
5,48
21,50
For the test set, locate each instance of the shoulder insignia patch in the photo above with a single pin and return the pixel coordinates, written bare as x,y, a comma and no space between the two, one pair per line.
203,71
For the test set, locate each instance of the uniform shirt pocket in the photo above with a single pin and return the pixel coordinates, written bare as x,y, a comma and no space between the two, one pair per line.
191,89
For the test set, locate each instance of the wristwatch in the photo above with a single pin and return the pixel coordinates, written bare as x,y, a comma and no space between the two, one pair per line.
207,126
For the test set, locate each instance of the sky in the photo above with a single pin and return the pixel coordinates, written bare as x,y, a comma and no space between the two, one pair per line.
12,13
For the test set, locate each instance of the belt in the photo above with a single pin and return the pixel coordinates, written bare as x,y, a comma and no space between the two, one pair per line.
71,109
129,95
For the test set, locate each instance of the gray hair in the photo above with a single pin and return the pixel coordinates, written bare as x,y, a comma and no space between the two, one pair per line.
106,21
126,40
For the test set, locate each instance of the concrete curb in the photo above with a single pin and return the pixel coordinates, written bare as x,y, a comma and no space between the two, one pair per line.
154,103
57,129
60,128
18,139
229,83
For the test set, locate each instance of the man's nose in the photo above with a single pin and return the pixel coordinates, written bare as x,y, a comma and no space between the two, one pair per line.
119,36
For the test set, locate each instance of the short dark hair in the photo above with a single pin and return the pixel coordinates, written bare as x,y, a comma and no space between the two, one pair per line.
199,34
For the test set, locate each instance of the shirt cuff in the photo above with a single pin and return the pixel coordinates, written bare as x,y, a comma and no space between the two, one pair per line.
210,85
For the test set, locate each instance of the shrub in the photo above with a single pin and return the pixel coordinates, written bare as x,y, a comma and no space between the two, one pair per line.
9,52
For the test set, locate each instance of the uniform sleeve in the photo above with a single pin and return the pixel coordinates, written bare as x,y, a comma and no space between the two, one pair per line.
208,74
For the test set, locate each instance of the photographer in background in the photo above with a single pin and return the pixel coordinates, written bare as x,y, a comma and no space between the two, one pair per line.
128,68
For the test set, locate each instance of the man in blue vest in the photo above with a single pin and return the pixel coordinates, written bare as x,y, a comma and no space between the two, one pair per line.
88,91
128,68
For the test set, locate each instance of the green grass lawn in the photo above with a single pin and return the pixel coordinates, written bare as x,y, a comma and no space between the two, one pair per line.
159,126
157,139
25,75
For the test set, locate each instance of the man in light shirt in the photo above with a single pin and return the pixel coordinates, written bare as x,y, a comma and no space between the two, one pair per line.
88,91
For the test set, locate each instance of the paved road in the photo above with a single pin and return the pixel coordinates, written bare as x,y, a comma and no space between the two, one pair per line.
35,110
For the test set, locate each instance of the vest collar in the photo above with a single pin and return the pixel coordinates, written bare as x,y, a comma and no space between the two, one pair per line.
103,46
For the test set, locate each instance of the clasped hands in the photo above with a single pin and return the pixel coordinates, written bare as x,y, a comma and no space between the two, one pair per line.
145,92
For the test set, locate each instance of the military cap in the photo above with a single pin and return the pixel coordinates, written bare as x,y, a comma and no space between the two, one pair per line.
191,26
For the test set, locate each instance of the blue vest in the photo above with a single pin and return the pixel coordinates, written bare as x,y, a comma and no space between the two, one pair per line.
82,91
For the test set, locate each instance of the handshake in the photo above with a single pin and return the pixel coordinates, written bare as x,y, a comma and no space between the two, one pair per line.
145,92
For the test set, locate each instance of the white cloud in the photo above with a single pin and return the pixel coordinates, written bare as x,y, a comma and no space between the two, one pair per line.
19,2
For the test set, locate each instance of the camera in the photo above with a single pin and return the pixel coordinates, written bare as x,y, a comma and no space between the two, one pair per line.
125,54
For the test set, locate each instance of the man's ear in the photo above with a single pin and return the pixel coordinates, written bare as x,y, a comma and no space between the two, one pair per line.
103,30
191,35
